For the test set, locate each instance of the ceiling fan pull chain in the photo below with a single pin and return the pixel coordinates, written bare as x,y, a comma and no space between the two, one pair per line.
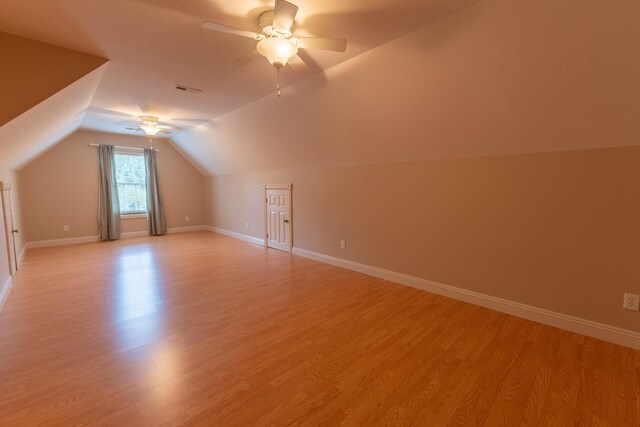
278,82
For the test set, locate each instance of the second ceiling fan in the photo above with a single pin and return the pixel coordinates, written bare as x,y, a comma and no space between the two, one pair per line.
276,42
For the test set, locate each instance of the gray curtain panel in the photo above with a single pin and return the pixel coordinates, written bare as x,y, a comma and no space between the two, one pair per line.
155,206
109,204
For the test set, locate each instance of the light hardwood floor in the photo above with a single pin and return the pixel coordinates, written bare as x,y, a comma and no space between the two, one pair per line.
202,329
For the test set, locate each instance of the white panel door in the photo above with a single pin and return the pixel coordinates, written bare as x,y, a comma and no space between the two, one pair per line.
278,220
9,228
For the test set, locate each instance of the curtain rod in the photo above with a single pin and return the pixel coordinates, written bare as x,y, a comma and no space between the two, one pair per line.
127,148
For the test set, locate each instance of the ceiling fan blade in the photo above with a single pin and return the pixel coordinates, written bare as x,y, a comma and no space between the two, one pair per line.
298,65
283,15
322,43
164,131
225,29
167,127
245,59
187,120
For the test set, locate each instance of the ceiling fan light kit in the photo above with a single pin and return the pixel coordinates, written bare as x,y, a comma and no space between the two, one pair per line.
150,125
150,130
276,43
277,50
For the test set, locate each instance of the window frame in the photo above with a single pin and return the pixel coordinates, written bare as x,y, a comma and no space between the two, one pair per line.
133,152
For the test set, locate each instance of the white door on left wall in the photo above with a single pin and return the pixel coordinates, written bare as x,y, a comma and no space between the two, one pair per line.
10,231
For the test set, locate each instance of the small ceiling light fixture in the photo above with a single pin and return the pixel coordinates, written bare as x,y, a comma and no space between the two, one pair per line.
149,127
278,50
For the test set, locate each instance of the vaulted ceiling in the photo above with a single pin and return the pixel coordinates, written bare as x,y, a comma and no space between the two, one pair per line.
420,79
153,45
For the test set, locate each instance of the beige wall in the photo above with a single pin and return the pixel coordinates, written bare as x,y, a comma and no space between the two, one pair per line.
557,230
61,187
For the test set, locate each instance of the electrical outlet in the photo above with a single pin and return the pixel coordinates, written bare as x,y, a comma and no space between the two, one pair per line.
631,302
343,244
187,219
246,225
65,228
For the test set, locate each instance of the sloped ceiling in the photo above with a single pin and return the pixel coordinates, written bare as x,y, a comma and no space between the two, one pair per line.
41,127
33,71
153,45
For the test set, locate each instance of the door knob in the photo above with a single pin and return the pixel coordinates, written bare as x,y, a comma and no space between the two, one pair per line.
286,220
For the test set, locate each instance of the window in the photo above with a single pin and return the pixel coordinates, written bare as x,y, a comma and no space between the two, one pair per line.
130,176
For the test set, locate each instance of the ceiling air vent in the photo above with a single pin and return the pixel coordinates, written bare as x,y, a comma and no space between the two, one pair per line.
188,89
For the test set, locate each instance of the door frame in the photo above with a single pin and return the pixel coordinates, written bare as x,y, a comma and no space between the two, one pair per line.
12,254
265,188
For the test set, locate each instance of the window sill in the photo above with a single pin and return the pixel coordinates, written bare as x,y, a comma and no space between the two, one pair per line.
133,215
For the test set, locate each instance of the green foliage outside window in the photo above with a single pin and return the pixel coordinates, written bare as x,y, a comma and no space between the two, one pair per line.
130,176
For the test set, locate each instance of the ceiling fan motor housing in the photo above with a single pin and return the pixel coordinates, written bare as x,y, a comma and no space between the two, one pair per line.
266,23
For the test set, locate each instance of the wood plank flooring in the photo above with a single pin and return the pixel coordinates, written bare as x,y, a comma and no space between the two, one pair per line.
201,329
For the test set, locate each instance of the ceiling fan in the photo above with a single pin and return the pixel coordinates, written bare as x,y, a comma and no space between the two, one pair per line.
151,126
277,43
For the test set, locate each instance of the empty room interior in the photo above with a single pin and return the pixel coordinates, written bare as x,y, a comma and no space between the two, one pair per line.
269,212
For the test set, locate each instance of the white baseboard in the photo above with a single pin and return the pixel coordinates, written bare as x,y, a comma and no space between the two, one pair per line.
235,235
187,229
563,321
173,230
60,242
4,292
133,234
126,235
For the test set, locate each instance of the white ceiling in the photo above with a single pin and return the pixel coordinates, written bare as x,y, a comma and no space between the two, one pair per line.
152,45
